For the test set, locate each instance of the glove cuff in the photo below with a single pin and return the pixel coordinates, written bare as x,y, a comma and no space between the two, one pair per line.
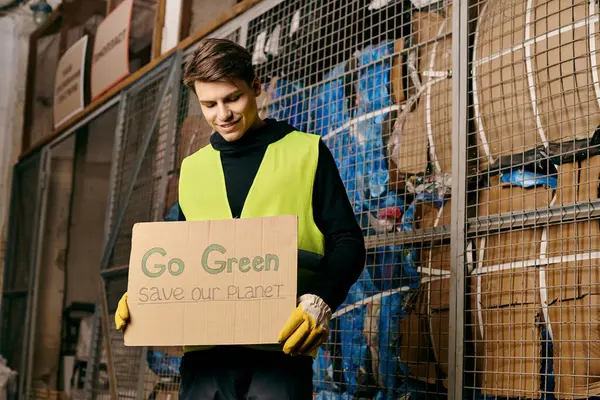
316,308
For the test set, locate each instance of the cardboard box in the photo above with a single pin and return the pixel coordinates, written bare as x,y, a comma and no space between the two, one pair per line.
71,90
439,322
415,348
508,320
424,333
574,272
427,130
212,282
575,328
521,101
110,60
437,259
505,277
509,354
397,77
573,315
505,296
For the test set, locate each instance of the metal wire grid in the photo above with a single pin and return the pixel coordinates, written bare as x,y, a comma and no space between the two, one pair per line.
373,81
156,374
532,312
92,156
139,184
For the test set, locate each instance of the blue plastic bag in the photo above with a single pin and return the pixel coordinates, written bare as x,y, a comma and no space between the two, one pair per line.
374,94
289,103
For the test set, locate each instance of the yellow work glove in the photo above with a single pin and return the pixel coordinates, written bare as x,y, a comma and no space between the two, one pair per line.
122,313
307,328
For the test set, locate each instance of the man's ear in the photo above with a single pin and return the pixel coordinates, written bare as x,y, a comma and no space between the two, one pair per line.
256,86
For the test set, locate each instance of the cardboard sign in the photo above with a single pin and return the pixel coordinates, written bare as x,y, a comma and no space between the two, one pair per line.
212,282
110,62
69,84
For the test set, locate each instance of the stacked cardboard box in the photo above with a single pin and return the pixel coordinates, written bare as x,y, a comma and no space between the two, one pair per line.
438,260
572,287
416,350
424,333
534,63
424,129
544,276
505,301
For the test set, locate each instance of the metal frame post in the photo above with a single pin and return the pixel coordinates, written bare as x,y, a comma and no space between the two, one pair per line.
40,217
459,190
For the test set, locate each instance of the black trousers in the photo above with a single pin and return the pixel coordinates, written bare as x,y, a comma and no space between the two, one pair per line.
238,373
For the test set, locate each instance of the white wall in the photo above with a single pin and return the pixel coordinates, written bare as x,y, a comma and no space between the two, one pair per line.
15,29
14,36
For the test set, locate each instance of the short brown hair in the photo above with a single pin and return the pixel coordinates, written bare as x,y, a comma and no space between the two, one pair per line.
218,60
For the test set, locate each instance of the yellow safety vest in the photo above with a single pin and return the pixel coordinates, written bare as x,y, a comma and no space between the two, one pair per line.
283,186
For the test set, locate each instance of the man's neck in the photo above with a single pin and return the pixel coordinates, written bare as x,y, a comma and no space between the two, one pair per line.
258,123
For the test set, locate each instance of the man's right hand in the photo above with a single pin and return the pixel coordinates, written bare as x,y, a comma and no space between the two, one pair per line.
122,313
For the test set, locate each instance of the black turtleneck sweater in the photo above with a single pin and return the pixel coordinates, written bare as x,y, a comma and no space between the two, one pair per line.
344,243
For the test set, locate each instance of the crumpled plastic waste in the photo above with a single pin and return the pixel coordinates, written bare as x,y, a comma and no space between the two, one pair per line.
163,364
288,103
438,183
528,179
367,350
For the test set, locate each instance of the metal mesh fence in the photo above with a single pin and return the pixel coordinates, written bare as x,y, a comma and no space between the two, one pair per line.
532,307
140,165
372,79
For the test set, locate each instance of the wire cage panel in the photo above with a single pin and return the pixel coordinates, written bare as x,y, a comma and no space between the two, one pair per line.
348,86
139,162
534,72
532,306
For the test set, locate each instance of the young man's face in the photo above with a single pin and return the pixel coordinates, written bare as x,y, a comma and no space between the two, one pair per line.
229,107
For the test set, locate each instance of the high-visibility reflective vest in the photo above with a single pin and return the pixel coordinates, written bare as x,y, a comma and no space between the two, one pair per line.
283,186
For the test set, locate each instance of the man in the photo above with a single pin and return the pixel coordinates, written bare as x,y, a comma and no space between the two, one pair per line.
256,168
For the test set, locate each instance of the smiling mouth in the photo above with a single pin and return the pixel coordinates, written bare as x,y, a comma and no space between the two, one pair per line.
228,125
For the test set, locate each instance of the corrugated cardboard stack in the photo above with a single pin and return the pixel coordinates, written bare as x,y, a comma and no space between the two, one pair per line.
436,264
416,350
423,130
534,75
544,276
505,301
424,333
572,287
535,87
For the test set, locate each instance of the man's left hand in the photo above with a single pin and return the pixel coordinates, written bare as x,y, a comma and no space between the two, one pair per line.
308,326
